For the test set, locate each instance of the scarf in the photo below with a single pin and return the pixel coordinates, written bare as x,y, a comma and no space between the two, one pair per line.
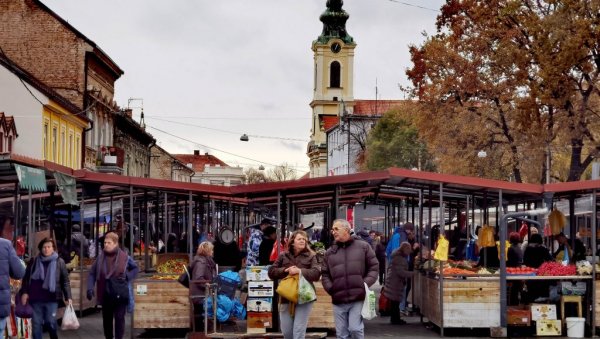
39,273
110,263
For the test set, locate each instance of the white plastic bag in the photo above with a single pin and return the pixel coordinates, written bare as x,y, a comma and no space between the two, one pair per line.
369,304
306,293
69,320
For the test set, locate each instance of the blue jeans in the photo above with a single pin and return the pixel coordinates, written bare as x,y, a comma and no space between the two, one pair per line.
349,321
44,313
2,325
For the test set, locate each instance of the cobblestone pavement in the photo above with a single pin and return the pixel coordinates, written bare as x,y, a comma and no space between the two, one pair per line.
91,328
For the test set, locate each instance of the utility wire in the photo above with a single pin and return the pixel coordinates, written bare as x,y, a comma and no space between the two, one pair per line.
413,5
230,132
209,147
225,118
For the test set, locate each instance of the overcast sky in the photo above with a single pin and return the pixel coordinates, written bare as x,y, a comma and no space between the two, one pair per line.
208,71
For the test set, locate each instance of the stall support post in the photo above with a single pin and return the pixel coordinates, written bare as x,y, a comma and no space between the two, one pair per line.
165,229
278,231
131,249
29,224
190,237
594,244
81,220
502,330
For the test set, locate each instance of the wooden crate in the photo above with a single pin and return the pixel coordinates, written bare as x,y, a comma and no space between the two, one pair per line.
321,315
471,303
165,304
78,282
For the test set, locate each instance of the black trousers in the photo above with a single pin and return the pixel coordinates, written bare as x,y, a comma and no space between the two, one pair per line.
112,310
395,311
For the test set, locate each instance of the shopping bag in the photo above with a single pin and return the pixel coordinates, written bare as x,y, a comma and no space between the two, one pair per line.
441,251
306,292
486,237
384,305
69,320
369,308
184,278
288,288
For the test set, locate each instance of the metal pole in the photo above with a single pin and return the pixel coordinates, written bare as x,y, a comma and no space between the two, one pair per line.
190,238
278,220
82,224
502,231
131,249
594,244
30,224
165,229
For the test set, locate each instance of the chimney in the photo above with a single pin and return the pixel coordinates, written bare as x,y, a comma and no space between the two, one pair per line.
206,154
128,112
196,152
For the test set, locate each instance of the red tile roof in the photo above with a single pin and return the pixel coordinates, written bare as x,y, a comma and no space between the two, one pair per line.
330,121
375,107
199,161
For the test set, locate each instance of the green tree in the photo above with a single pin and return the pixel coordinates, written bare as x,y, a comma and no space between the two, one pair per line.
518,79
394,142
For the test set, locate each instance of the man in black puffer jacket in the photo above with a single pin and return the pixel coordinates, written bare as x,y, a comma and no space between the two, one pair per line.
349,264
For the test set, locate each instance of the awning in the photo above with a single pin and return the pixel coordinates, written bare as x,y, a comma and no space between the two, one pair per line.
67,187
30,178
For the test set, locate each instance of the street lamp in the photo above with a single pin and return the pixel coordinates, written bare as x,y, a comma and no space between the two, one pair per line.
481,155
261,168
244,137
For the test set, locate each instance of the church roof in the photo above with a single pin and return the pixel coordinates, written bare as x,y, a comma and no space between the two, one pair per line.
334,23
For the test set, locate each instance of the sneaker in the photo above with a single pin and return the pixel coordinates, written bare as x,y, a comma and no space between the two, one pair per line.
405,313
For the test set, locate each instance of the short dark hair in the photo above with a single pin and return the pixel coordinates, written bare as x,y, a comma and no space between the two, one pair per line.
46,240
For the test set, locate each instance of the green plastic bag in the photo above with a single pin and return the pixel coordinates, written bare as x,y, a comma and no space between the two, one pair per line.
306,292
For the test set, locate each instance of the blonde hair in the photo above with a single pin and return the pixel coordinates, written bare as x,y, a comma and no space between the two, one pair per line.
205,248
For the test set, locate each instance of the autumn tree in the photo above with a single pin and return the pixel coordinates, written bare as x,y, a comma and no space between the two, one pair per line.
394,142
282,172
254,176
518,79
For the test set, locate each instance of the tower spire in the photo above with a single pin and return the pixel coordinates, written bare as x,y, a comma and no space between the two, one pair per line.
334,23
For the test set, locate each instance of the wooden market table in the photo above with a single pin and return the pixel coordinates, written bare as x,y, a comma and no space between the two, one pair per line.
160,304
471,301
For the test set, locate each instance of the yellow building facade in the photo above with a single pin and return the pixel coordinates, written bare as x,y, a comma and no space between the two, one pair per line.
62,136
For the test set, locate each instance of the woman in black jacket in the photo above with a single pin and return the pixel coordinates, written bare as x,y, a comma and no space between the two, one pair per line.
46,282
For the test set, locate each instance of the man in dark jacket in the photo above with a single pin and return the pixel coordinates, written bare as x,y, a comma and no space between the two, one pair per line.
10,267
348,265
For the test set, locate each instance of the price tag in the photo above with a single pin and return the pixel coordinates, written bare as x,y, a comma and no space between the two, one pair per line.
141,289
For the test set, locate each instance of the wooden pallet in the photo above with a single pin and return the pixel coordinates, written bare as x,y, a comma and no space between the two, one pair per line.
321,315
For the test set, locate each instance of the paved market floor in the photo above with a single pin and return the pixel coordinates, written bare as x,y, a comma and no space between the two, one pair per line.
91,328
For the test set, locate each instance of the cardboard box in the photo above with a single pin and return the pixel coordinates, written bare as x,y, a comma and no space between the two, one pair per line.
260,289
259,320
518,316
257,273
548,327
260,304
543,312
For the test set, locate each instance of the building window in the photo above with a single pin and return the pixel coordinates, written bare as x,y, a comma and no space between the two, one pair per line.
45,141
9,145
54,143
63,146
77,152
334,75
70,155
2,142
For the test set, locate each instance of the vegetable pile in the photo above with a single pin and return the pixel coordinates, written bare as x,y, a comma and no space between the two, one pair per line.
552,268
521,270
584,267
164,277
457,271
172,266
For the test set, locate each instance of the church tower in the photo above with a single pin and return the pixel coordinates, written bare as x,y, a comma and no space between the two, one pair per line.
333,82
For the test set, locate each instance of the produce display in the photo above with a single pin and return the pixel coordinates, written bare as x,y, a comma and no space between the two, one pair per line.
172,266
524,270
457,271
551,268
584,267
164,277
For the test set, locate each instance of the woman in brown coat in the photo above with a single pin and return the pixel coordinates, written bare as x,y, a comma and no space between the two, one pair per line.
299,258
203,268
395,280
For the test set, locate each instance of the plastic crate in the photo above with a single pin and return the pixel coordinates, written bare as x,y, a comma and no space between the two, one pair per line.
569,288
227,287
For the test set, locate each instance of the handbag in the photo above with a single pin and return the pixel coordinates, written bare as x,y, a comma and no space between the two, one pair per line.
288,288
117,287
385,305
184,278
23,311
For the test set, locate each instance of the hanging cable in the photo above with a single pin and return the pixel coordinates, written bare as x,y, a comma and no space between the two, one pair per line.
413,5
